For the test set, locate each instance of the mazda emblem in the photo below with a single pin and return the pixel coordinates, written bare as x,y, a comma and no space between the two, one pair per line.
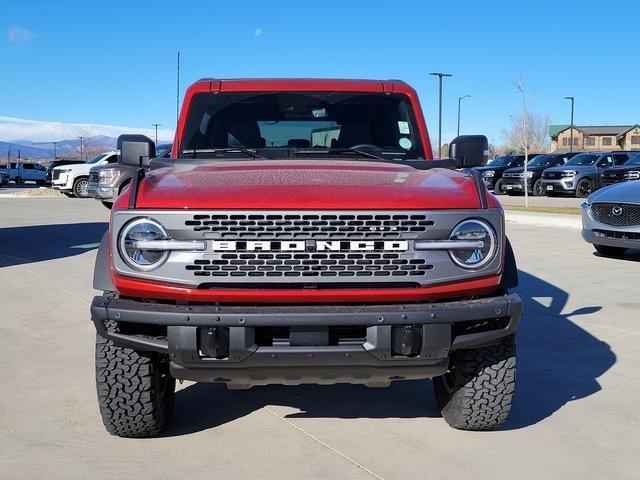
617,211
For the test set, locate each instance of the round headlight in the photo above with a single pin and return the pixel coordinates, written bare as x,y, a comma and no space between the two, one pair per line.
142,229
478,231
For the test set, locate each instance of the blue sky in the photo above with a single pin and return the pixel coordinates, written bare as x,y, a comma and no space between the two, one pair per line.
114,62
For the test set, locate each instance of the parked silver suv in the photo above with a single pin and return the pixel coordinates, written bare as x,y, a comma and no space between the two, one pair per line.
611,218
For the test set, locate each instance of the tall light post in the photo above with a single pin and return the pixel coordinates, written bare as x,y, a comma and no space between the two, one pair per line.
440,75
460,100
156,125
55,144
572,102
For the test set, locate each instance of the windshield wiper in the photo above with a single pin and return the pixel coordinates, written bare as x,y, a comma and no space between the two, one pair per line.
246,151
340,151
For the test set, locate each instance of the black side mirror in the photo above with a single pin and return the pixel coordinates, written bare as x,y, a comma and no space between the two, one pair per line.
135,150
469,150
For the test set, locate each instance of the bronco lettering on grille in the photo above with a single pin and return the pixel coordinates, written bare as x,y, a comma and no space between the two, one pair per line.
311,246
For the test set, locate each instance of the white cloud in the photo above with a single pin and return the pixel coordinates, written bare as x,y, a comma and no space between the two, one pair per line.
20,35
258,31
14,129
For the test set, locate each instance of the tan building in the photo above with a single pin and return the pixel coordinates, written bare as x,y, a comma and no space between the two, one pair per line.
593,138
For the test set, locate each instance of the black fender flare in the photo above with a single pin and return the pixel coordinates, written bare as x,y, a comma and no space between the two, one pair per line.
509,278
101,271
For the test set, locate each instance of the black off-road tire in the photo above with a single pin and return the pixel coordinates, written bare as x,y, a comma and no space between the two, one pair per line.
610,251
135,390
476,392
498,189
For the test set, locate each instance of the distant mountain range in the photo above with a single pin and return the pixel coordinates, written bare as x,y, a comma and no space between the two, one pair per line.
33,138
45,150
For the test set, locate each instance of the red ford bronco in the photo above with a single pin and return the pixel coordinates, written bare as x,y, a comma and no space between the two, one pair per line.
301,232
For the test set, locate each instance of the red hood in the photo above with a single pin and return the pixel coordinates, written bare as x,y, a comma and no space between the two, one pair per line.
305,184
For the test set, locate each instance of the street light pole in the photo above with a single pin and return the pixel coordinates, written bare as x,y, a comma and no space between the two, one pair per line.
572,101
54,150
459,100
156,125
440,75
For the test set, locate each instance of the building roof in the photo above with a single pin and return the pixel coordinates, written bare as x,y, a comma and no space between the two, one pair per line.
554,130
592,129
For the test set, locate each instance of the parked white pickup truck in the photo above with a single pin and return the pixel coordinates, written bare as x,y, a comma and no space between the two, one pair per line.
25,172
72,180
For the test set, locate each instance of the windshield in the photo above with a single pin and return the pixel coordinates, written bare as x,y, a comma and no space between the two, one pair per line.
635,160
582,159
96,159
278,123
541,161
163,150
501,161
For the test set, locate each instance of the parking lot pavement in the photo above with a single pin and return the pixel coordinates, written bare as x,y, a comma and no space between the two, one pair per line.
541,201
575,413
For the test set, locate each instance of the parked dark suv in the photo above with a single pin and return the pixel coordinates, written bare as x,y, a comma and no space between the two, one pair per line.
513,178
630,170
580,176
492,172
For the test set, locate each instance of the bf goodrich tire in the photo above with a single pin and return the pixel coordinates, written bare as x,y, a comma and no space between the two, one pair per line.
610,251
476,392
135,390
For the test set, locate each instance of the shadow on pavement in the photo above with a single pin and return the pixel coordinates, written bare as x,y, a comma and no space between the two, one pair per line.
557,362
37,243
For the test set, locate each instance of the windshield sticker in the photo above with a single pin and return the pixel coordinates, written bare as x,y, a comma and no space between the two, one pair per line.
404,128
405,143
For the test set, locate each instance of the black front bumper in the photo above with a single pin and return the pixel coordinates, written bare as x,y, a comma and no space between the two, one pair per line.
441,328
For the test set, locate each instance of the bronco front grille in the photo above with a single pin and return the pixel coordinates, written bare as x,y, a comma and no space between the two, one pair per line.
308,248
617,214
273,264
292,226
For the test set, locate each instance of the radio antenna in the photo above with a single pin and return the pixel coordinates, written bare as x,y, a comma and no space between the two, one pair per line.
178,93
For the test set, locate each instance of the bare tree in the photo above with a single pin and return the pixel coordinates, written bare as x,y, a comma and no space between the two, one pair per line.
537,127
528,131
84,148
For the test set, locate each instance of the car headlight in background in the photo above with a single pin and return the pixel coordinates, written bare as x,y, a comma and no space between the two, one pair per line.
109,175
489,173
482,253
632,175
142,229
528,174
569,173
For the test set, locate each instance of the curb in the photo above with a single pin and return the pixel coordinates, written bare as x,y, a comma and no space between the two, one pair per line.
553,220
